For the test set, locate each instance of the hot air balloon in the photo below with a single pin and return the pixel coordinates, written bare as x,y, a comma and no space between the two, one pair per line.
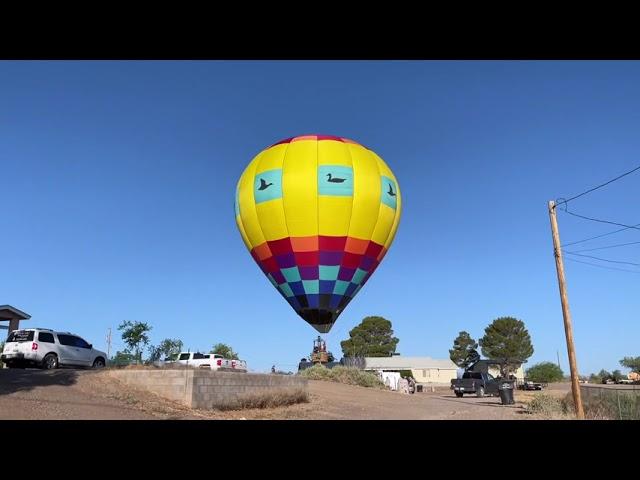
318,214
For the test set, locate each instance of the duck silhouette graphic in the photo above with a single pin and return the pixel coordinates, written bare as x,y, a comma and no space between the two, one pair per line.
390,192
264,185
334,180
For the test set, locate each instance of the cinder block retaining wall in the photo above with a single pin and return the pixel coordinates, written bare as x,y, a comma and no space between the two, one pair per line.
206,388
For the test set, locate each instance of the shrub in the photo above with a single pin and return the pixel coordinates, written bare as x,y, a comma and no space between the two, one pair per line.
317,372
547,406
347,375
270,399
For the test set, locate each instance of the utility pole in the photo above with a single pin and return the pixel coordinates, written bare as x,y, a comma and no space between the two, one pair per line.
109,343
566,314
558,353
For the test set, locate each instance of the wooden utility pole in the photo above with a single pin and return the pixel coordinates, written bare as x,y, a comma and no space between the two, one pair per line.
109,343
573,365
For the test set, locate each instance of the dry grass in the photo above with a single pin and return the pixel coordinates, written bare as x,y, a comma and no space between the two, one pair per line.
610,406
264,400
606,407
548,407
138,367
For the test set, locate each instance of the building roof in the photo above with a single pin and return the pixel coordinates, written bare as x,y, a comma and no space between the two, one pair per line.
7,312
407,363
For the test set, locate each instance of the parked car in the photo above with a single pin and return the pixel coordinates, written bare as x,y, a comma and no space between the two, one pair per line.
624,381
529,385
479,383
211,361
45,348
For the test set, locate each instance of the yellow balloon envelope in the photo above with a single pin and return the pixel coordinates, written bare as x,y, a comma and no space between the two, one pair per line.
318,213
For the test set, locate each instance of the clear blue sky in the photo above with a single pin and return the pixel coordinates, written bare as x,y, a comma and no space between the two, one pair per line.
118,183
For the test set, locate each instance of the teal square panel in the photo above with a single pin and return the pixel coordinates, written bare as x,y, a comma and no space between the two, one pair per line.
311,286
389,192
292,274
286,289
341,287
329,272
359,276
268,185
335,180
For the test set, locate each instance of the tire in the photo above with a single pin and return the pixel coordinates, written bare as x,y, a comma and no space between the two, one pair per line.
98,363
50,361
480,392
459,394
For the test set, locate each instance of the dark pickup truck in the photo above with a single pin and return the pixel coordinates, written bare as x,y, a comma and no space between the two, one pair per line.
479,383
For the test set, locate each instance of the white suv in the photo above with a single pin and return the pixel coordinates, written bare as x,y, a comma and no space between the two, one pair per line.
48,349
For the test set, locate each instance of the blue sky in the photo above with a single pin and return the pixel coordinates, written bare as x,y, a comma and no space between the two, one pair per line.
118,183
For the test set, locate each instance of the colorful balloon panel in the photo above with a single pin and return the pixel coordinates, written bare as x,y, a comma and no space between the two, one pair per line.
318,214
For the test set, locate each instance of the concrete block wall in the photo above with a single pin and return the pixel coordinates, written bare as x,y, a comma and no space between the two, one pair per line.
206,388
211,389
175,385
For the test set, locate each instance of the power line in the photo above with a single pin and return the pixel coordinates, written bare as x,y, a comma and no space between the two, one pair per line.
603,259
602,266
602,221
605,247
598,236
602,185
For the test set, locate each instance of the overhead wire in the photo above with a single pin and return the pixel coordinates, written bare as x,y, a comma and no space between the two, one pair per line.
603,259
602,266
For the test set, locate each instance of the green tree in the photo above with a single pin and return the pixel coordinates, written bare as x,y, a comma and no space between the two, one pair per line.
167,348
631,363
604,375
225,350
372,338
617,375
121,358
134,334
464,351
507,340
545,372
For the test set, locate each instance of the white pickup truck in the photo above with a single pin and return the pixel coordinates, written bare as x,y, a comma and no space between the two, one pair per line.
211,361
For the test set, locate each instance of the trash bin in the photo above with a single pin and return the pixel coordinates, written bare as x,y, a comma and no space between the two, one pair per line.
419,388
506,392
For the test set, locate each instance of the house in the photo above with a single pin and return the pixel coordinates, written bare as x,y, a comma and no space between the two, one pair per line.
425,370
431,371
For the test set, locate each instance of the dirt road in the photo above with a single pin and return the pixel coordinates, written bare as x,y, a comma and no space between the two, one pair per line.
27,394
86,394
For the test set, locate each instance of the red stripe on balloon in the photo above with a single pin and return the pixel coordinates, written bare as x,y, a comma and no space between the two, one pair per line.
315,137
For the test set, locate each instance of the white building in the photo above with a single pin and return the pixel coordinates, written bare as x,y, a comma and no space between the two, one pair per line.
425,370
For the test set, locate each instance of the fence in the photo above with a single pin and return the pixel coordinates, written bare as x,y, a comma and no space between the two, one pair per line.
621,402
